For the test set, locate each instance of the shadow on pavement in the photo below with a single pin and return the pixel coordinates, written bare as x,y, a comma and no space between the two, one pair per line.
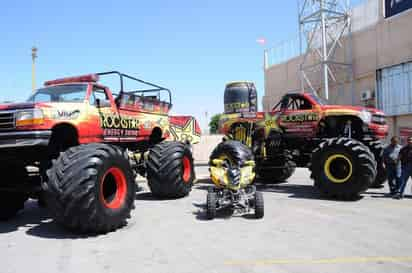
261,181
39,224
378,194
299,191
203,187
32,215
385,195
377,187
50,230
145,196
148,196
204,181
294,191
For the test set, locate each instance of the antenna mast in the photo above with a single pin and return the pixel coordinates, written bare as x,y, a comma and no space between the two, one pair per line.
322,25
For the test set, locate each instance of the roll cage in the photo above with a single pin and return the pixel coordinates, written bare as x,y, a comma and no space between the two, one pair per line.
295,101
155,89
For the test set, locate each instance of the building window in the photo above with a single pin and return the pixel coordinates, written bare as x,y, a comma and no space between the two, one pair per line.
395,89
393,7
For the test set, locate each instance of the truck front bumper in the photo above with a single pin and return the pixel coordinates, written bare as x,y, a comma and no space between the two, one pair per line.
379,130
22,139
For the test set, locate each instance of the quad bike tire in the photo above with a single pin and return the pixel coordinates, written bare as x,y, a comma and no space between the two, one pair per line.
377,147
90,188
342,168
259,205
276,170
235,151
211,202
12,202
170,170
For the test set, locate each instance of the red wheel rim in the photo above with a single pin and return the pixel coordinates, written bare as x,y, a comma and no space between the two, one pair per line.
113,188
187,169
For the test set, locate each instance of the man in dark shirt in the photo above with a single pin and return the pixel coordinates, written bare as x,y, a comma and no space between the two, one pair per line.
392,163
405,156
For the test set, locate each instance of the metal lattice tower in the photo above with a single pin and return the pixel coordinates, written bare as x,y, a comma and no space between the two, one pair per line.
325,43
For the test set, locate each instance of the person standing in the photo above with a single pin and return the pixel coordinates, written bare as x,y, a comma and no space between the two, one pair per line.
405,157
392,163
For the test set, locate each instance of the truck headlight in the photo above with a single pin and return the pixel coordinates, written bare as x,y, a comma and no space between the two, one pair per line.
29,117
365,116
378,119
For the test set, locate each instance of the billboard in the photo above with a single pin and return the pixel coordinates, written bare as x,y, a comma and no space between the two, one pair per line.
393,7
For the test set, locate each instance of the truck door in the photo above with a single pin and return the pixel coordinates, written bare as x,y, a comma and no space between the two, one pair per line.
298,116
102,107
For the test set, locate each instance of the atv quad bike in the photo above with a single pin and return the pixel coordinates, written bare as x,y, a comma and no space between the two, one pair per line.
88,145
341,145
232,172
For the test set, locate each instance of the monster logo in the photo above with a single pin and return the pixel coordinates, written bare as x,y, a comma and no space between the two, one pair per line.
116,126
236,107
271,123
300,118
186,133
117,122
64,114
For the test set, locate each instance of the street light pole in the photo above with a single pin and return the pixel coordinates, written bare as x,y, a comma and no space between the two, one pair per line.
33,68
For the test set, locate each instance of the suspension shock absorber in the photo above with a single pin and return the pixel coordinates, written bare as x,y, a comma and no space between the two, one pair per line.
347,132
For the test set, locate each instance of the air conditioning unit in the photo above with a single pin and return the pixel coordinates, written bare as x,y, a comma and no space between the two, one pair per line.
366,95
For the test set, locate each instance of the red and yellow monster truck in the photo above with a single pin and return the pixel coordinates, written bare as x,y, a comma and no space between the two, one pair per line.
340,144
88,145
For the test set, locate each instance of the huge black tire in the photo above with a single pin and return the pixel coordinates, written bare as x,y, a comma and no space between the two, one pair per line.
236,152
342,168
90,188
276,169
170,170
377,146
259,205
211,205
11,202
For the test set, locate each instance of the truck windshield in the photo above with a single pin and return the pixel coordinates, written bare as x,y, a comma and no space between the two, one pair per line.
60,93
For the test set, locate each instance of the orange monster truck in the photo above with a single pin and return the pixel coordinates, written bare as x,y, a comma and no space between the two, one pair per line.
341,145
88,145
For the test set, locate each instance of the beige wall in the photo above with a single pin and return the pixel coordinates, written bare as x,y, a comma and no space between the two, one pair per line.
387,43
203,149
395,123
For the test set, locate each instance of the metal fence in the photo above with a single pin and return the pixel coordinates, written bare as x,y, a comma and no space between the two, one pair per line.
282,52
362,16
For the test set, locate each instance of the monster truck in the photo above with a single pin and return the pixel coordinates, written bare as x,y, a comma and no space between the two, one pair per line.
341,145
88,145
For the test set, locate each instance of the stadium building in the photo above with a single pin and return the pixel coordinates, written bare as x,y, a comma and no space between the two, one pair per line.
374,53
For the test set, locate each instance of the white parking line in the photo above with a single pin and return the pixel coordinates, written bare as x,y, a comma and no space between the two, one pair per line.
342,260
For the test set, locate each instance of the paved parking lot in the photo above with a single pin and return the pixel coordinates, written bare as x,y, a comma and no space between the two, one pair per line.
300,233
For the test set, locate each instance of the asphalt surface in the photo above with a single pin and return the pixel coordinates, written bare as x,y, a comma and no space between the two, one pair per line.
300,233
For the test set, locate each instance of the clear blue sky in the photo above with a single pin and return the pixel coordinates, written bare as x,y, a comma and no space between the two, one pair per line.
192,47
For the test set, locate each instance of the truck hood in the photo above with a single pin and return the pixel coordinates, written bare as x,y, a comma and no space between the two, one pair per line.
350,108
19,106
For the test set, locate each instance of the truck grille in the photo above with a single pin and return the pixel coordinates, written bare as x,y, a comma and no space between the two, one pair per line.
7,120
